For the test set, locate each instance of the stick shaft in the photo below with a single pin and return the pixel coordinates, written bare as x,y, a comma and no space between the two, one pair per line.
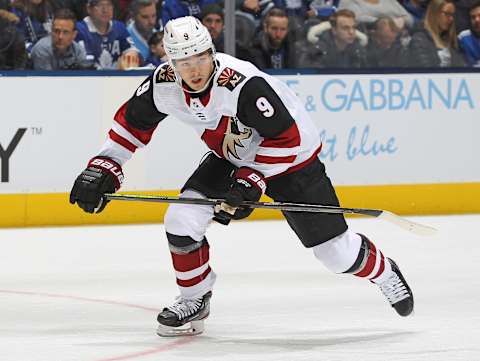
282,206
407,225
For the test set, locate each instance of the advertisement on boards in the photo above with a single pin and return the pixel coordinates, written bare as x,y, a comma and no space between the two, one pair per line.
395,128
375,129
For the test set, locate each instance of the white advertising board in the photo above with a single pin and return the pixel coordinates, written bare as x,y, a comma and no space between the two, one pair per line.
376,129
395,129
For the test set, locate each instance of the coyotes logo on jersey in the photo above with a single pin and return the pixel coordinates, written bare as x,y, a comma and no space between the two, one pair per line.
226,138
165,74
230,78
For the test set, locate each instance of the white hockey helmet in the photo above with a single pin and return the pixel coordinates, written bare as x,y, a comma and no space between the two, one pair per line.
186,36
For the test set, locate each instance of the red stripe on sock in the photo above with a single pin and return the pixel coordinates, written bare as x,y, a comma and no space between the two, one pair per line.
190,261
382,266
370,265
195,280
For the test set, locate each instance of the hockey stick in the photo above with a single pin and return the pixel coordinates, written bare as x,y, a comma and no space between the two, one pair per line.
413,227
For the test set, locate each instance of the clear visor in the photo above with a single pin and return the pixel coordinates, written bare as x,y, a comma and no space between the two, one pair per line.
193,61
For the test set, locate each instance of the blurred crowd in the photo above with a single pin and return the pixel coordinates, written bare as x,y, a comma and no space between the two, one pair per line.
278,34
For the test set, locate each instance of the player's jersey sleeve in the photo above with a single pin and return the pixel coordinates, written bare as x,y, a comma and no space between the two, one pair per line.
133,125
261,108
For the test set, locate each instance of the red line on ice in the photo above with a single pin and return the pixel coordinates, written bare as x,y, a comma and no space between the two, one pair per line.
172,345
53,295
130,356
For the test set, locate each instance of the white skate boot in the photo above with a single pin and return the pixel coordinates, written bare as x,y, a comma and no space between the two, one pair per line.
397,291
185,317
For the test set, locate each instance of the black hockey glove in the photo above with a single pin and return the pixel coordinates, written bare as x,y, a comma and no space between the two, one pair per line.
247,185
101,176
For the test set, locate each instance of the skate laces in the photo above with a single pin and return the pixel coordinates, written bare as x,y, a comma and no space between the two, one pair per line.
185,307
394,289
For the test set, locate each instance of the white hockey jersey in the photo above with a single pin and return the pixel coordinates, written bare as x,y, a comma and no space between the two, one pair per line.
246,116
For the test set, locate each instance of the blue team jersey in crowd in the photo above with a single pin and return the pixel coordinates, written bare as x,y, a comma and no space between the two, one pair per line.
322,8
104,50
31,29
418,12
172,9
470,44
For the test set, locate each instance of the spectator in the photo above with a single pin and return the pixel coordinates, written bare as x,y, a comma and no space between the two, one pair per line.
296,8
35,19
298,12
172,9
323,9
416,8
273,48
106,41
79,8
12,46
124,10
462,14
252,11
157,53
315,31
59,51
144,14
434,44
213,19
385,48
340,45
470,39
369,11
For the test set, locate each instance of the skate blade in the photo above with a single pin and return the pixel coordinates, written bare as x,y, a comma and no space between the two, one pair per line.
190,329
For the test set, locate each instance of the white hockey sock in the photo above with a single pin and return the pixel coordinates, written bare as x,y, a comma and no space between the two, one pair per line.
356,254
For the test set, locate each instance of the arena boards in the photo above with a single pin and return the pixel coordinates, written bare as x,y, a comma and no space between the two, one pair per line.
399,142
23,210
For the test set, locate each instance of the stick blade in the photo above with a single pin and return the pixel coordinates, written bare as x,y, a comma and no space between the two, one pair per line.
414,227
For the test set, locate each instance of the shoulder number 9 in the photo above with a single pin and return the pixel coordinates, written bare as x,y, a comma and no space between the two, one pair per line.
143,88
265,107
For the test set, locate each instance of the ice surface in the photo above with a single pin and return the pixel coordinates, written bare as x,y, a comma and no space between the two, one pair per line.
92,294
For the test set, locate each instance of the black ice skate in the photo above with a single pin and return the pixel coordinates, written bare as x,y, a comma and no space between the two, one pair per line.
397,291
185,317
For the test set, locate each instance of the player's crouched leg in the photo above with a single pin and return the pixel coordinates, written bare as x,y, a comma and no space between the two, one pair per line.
355,254
186,226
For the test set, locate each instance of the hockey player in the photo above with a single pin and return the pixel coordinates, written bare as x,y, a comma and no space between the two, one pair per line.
261,141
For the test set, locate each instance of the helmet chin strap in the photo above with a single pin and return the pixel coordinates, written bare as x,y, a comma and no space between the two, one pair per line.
207,83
